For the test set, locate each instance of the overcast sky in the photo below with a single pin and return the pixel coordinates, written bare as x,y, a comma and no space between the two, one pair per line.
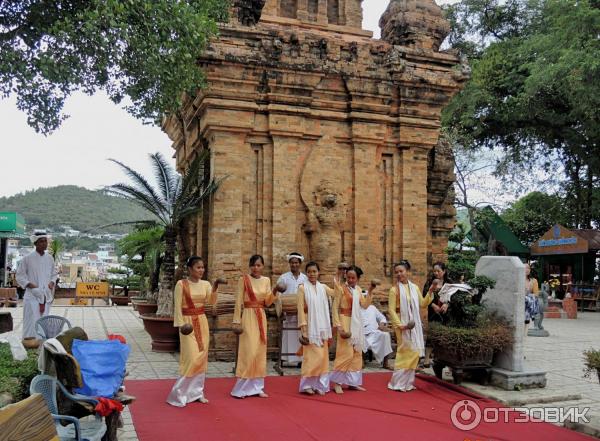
76,153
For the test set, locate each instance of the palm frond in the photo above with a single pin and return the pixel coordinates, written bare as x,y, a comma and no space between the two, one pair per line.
139,181
156,207
149,223
191,203
166,177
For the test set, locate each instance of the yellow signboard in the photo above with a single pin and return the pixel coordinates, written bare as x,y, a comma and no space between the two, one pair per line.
91,289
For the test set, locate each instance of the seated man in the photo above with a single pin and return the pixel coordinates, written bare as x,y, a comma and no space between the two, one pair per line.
377,339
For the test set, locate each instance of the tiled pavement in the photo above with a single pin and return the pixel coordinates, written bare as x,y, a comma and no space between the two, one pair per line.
560,355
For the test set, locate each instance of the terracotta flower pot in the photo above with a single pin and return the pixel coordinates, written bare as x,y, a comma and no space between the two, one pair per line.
136,300
165,337
147,308
119,300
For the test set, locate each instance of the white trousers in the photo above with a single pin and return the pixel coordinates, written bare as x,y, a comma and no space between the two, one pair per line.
187,390
346,378
402,380
380,343
246,387
320,383
31,314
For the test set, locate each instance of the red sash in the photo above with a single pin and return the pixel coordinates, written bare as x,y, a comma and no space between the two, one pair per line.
192,311
257,311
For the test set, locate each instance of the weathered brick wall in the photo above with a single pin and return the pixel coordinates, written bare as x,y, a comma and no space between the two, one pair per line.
328,141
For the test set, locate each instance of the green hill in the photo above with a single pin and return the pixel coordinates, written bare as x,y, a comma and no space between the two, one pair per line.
81,209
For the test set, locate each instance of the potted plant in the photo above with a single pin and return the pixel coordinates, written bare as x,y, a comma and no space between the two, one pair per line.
174,200
554,283
143,249
470,335
120,280
592,363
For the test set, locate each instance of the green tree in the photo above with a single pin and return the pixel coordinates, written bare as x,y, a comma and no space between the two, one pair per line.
144,248
56,246
534,91
172,202
144,50
534,214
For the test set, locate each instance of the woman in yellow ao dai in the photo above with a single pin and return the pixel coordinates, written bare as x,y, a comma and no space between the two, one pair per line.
250,322
315,327
405,302
191,296
347,318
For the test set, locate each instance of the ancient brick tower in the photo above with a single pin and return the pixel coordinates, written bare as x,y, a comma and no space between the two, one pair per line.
328,137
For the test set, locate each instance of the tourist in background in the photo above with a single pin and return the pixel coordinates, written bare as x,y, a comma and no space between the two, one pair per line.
291,280
191,295
436,310
37,275
405,302
532,306
250,323
340,277
347,366
315,325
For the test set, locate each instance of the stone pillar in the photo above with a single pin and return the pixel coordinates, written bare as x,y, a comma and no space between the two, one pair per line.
368,244
225,246
322,15
302,13
285,190
413,211
507,299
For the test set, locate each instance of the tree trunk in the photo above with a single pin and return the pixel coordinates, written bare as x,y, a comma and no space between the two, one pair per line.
587,218
167,275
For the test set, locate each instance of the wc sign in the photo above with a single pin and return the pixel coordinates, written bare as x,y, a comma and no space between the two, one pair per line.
91,289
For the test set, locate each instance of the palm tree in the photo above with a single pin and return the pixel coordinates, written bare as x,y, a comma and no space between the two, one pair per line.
174,200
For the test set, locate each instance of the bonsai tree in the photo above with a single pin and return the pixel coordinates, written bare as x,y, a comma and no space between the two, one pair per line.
174,199
123,278
592,363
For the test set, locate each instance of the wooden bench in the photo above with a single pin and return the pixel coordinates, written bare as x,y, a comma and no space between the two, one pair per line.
27,420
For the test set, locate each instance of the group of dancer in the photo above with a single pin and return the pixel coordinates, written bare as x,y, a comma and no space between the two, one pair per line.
316,323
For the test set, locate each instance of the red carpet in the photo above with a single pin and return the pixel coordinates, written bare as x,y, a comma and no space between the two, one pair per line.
377,414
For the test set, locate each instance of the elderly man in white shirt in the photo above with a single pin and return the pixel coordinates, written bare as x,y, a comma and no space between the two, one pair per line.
377,339
37,275
292,279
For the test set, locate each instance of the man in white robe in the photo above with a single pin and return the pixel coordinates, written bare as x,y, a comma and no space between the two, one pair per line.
37,275
377,339
292,279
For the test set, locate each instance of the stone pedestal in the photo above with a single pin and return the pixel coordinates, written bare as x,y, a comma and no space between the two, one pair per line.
507,299
532,332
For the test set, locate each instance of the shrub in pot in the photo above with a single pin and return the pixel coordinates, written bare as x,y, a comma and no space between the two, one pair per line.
469,335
